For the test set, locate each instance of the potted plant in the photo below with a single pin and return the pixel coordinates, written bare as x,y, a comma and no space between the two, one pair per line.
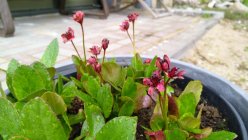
118,98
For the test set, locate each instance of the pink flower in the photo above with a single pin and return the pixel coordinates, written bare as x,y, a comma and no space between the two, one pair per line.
163,64
175,73
151,90
124,25
92,60
68,36
132,17
95,50
147,82
148,61
78,17
160,86
105,43
97,68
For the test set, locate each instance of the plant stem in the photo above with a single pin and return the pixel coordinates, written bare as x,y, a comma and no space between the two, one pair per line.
165,102
131,41
2,92
134,43
104,53
76,49
83,42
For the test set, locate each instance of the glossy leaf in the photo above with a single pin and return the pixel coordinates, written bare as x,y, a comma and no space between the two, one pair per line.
221,135
44,75
55,101
175,134
91,85
113,73
187,104
129,88
18,138
26,81
105,100
13,64
120,128
189,122
10,122
50,56
194,87
66,124
40,122
127,108
94,118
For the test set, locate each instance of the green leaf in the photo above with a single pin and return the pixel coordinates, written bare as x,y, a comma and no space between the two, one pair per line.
175,134
9,119
187,104
91,85
113,73
221,135
26,81
19,105
94,118
105,100
18,138
78,118
151,68
55,101
188,122
137,62
194,87
13,64
85,129
129,88
127,108
66,124
40,122
120,128
157,121
50,56
44,75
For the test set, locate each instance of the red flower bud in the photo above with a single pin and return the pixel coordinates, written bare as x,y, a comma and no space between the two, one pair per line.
92,60
95,50
105,43
68,36
78,17
98,68
132,17
148,61
124,25
174,73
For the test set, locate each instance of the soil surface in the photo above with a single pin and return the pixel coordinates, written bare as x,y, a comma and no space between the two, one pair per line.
224,51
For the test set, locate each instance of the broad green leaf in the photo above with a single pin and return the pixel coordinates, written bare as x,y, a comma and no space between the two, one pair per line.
105,100
51,71
194,87
19,105
187,104
78,118
129,88
55,101
157,121
137,62
26,81
151,68
120,128
40,122
221,135
127,108
175,134
60,85
91,85
13,64
44,75
113,73
85,129
94,118
189,122
50,56
10,122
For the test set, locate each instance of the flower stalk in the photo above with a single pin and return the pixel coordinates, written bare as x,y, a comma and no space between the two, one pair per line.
76,49
83,40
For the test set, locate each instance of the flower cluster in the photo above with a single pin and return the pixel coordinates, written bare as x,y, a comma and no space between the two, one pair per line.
131,18
95,51
155,83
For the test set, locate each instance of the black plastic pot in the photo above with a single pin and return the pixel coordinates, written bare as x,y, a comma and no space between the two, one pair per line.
228,98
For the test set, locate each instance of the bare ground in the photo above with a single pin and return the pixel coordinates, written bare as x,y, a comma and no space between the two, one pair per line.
224,51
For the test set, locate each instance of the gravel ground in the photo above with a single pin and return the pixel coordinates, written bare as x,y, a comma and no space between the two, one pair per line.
224,51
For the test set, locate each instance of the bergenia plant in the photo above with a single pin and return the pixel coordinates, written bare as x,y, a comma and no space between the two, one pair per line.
102,101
